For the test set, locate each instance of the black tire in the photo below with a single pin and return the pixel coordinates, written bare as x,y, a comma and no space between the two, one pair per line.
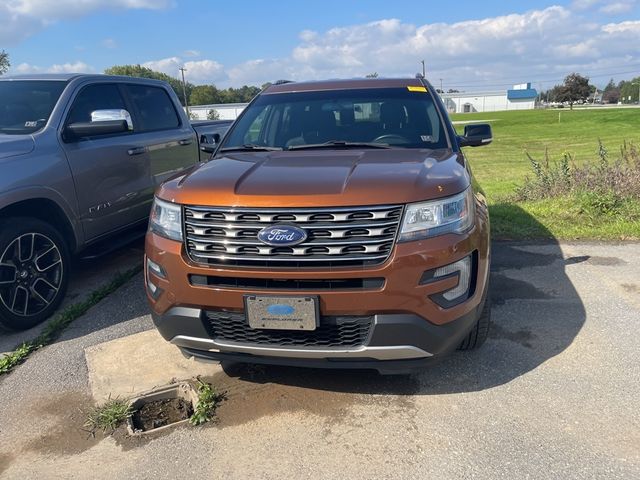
34,271
480,331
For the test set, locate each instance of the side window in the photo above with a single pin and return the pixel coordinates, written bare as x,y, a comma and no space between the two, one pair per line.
155,108
102,96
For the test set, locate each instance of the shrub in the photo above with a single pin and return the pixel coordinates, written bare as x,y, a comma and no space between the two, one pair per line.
600,186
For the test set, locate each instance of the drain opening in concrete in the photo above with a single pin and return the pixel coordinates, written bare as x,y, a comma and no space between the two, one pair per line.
162,408
160,413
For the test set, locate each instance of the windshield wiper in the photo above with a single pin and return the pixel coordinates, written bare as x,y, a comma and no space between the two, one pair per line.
249,147
340,144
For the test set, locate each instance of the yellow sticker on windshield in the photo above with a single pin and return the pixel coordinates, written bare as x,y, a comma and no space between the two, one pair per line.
412,88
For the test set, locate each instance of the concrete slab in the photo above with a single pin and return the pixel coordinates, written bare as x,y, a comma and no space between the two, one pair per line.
140,362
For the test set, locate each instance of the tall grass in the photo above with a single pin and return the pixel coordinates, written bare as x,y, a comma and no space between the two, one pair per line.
600,186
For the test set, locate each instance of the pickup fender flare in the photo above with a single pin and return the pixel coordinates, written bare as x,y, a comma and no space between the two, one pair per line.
33,193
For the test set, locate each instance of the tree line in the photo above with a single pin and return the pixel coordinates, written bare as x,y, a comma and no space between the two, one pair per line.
576,88
625,91
196,94
4,62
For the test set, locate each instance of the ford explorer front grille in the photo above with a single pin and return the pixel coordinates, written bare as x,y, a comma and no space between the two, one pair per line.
333,332
335,236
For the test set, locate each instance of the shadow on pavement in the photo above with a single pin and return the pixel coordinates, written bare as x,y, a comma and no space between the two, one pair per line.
537,313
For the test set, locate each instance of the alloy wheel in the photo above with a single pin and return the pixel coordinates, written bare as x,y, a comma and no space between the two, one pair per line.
31,274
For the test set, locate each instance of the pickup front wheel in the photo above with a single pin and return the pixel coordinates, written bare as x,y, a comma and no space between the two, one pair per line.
34,269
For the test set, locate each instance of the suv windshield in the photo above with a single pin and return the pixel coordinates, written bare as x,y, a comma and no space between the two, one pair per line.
362,118
25,105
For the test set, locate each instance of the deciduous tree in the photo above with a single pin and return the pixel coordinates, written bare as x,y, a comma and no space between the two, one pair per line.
575,88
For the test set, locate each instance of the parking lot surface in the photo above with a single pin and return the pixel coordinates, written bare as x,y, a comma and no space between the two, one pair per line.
552,394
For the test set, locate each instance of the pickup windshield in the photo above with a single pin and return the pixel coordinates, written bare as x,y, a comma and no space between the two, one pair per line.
25,105
350,118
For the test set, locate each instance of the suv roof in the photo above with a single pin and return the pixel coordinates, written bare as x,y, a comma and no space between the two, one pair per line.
355,83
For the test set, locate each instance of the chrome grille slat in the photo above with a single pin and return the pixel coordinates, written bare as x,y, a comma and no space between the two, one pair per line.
313,226
336,236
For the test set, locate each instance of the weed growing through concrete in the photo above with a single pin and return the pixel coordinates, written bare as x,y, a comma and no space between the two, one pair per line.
108,416
208,401
57,325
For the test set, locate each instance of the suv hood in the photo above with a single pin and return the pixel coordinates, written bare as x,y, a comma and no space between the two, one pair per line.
11,145
315,178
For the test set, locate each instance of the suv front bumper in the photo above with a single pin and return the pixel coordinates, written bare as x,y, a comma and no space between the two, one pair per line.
409,329
396,342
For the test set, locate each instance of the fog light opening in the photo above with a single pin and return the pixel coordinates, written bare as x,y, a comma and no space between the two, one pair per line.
462,269
156,268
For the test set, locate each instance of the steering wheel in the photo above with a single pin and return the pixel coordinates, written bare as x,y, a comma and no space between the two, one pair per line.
391,138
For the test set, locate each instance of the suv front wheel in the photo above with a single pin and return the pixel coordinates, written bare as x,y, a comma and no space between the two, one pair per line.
34,269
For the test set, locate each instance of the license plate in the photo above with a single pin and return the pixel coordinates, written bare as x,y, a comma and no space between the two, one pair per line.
281,313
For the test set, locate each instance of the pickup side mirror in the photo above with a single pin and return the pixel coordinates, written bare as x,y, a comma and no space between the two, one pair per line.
476,135
110,114
91,129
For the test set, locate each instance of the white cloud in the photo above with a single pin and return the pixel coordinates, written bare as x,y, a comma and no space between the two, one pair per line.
197,71
22,18
584,4
531,46
191,53
75,67
616,8
109,43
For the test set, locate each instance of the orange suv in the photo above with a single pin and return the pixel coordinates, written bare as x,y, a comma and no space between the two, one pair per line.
337,224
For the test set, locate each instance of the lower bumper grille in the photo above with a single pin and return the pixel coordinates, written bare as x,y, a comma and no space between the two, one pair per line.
351,331
287,284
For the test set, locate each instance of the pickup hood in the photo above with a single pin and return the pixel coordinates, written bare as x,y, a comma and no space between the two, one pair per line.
315,178
11,145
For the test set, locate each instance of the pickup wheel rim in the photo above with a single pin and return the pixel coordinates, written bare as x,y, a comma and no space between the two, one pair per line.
31,274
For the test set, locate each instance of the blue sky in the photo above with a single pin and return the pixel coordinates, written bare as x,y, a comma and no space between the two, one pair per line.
471,45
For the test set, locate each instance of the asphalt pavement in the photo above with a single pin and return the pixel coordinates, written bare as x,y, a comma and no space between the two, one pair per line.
552,394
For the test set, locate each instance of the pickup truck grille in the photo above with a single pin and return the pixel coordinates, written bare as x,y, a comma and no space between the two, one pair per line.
335,236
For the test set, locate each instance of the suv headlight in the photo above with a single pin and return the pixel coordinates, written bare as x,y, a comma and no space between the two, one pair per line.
454,214
166,219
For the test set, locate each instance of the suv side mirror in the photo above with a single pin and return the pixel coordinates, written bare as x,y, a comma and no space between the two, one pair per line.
476,135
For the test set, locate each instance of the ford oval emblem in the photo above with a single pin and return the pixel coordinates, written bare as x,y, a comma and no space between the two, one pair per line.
282,235
280,310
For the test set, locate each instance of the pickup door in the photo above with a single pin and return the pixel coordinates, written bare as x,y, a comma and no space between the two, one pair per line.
169,142
115,175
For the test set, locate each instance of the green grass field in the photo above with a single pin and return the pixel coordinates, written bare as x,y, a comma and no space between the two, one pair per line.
502,166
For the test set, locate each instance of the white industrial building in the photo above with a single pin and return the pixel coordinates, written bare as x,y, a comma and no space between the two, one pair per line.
226,111
520,97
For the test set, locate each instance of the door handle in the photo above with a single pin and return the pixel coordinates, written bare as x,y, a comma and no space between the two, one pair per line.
136,150
185,141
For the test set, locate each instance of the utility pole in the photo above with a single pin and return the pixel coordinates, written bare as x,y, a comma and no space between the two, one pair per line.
184,91
637,83
424,69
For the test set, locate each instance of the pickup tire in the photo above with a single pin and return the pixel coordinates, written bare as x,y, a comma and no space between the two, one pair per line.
480,331
34,271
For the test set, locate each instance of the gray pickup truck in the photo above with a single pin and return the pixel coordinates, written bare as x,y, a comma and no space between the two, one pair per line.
80,159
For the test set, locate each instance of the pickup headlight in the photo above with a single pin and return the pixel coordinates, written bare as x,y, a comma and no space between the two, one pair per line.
166,219
454,214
